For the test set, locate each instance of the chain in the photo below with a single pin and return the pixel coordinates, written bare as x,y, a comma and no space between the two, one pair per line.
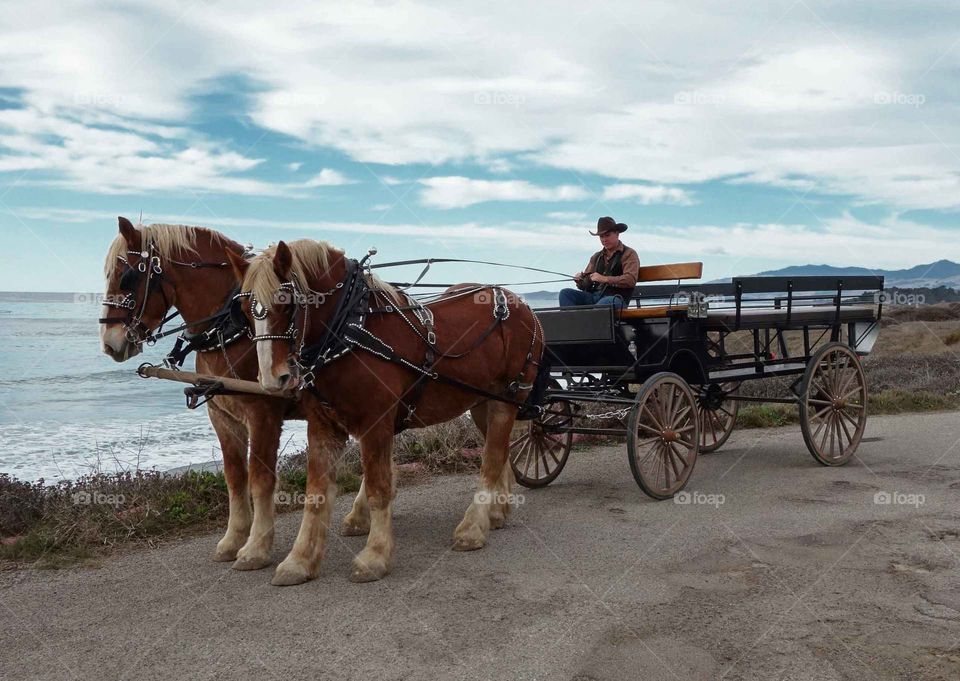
617,414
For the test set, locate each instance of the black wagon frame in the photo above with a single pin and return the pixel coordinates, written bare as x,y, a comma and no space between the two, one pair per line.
665,372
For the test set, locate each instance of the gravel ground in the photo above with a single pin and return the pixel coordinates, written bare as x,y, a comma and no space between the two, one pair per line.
795,572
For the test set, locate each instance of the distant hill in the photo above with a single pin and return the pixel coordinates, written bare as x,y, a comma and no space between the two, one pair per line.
932,275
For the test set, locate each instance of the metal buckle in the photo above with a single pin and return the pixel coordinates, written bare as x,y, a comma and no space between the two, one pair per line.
431,338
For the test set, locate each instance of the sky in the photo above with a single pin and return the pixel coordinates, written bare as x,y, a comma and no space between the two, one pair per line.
747,135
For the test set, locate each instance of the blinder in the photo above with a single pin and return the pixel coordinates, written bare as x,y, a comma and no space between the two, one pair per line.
237,316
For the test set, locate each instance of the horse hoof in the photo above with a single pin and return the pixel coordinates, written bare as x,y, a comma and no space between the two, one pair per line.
469,541
224,556
251,562
369,570
289,575
354,529
497,521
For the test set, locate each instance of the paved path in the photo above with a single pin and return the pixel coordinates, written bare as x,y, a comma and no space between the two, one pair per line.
798,574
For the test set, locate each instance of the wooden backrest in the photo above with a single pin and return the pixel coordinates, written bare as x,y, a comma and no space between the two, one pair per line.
678,270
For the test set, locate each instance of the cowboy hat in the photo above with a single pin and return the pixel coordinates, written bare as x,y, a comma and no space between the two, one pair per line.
608,224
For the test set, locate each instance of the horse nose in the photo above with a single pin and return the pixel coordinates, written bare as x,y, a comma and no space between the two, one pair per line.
283,381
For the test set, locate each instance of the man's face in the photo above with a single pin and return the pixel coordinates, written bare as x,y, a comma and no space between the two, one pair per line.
609,240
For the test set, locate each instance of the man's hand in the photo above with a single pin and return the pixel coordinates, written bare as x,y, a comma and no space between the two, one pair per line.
598,278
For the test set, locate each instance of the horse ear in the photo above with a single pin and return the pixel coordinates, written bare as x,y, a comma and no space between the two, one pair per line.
238,263
130,233
283,260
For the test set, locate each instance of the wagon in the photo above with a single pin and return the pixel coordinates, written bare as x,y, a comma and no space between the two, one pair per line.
668,372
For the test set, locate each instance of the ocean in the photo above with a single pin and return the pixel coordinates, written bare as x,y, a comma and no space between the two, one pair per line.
66,409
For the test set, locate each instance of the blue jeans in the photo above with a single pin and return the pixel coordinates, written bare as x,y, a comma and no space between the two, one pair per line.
571,297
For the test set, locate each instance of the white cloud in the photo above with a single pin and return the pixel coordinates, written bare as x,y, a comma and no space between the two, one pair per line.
807,97
567,216
647,194
327,178
457,192
294,167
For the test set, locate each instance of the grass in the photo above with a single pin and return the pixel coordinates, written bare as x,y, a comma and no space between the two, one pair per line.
952,338
61,524
890,401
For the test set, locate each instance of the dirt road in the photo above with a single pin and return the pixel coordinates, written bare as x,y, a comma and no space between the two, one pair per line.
777,568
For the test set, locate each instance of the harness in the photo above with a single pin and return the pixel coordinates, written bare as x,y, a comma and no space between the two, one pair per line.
228,324
346,332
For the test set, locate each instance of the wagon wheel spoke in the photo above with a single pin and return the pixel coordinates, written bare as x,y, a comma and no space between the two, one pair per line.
658,431
525,438
823,411
527,447
653,418
826,431
672,455
676,453
826,402
851,392
843,412
845,430
546,467
849,375
832,427
711,422
666,470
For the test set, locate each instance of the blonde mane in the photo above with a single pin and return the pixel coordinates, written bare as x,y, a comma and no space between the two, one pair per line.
170,241
311,259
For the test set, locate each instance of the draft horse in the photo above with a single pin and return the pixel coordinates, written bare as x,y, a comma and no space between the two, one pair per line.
149,270
383,363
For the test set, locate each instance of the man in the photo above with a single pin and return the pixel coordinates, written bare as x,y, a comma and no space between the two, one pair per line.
610,275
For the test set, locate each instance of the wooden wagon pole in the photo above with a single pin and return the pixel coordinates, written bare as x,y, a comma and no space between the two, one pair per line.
219,384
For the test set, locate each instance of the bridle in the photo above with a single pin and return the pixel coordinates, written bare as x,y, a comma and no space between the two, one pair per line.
134,328
300,309
351,309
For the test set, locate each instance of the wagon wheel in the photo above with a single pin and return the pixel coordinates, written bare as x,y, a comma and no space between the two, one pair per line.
833,404
539,447
718,415
663,435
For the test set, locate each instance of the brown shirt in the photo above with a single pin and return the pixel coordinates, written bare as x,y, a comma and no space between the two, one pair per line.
630,262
